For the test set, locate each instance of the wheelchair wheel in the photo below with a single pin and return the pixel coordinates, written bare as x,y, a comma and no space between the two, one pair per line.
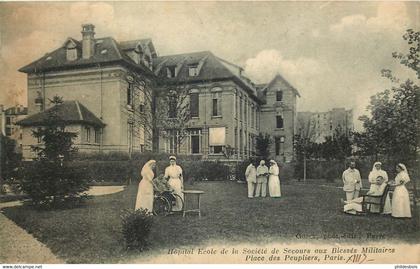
176,196
161,206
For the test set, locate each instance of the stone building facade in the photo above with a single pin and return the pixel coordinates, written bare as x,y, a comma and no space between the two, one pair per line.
8,119
96,75
318,125
278,117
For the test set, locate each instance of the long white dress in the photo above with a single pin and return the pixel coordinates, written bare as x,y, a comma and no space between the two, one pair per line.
274,181
145,192
400,198
174,172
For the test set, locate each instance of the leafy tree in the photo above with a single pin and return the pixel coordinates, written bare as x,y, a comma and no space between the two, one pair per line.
392,129
50,180
262,145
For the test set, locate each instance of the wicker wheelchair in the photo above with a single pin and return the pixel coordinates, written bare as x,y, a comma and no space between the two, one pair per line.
164,201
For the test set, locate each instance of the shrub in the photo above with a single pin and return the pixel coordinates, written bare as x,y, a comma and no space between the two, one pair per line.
136,227
50,184
240,170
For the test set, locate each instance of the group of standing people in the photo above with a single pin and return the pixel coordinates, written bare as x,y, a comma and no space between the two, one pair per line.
378,179
258,177
173,178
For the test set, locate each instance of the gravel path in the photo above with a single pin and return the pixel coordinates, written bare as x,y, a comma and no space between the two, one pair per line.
18,246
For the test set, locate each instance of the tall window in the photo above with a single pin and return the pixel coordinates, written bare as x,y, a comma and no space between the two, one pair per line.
172,100
194,105
236,105
87,134
130,94
277,141
97,136
245,111
195,141
279,95
172,144
252,116
193,70
279,121
217,104
236,138
240,107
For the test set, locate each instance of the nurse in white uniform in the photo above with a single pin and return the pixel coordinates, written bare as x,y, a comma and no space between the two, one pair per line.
175,179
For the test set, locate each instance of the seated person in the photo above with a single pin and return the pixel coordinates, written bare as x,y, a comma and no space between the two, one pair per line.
354,206
161,185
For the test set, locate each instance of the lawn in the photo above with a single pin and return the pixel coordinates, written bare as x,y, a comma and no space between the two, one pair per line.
91,234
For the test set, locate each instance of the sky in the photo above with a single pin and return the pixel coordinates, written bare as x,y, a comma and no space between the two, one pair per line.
331,52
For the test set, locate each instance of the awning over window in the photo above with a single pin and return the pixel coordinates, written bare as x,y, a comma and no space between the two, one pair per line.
217,136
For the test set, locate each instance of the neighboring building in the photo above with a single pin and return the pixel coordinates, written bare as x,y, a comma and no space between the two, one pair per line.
8,119
227,110
318,125
278,116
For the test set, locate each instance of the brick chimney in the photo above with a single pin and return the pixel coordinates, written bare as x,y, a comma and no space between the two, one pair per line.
88,41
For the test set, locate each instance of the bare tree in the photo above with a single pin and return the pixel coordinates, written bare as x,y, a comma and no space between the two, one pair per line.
139,110
172,113
303,142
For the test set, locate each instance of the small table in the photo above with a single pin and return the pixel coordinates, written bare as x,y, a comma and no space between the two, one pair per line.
192,193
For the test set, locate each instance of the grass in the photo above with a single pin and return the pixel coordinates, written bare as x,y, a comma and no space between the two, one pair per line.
92,234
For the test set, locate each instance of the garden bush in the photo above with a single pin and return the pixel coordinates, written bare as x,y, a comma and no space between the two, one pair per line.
136,227
50,184
240,170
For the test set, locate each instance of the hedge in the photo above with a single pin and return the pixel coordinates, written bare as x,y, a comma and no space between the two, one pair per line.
121,171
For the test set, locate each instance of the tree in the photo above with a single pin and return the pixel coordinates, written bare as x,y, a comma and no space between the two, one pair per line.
172,113
393,126
50,180
262,145
392,129
337,147
139,110
303,145
57,144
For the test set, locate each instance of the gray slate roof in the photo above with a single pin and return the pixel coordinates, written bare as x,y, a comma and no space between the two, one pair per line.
107,51
212,70
69,112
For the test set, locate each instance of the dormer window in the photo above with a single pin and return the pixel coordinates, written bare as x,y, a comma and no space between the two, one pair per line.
193,70
71,51
147,61
171,71
139,54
